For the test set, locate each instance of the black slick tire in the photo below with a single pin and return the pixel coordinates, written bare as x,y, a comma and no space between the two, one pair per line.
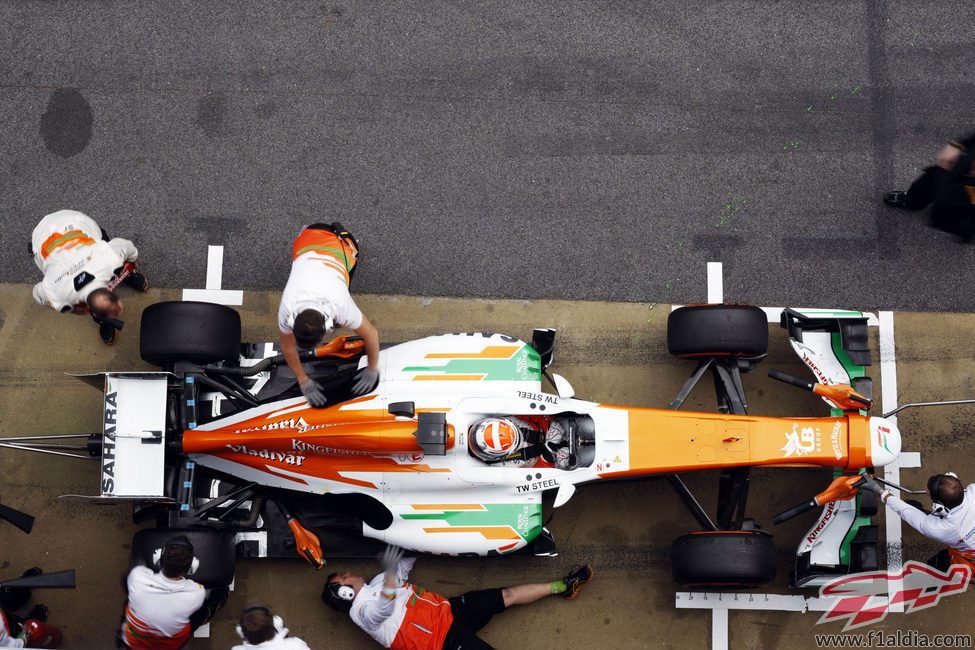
717,330
723,560
200,332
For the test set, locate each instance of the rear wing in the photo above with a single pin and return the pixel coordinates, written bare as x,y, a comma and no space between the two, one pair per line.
133,450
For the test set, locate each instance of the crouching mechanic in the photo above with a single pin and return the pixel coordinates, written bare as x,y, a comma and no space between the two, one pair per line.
398,614
316,299
951,520
165,607
81,267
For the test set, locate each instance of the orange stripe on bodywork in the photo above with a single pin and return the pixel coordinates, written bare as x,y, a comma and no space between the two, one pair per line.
489,532
448,506
489,352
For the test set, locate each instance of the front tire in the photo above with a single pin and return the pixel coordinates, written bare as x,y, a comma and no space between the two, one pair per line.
723,559
717,330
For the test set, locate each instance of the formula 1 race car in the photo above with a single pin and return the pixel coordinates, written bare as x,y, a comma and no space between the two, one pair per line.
452,452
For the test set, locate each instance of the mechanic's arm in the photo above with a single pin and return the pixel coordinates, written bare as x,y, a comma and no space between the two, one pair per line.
126,249
927,525
370,335
42,297
309,387
374,612
289,348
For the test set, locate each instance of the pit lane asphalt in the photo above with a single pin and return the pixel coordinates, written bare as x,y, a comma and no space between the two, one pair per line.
613,352
566,150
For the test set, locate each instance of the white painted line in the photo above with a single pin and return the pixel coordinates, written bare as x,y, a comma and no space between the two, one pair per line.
223,296
719,629
715,283
762,602
214,267
892,472
909,459
213,292
202,632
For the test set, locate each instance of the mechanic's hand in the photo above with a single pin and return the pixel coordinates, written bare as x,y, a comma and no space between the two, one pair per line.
312,392
390,559
366,381
868,484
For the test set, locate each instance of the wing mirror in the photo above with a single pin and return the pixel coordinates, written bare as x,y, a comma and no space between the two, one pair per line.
562,386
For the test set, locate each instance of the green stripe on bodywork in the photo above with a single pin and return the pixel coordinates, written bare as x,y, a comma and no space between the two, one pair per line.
524,518
525,364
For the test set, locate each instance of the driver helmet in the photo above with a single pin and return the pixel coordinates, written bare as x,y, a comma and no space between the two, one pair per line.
494,438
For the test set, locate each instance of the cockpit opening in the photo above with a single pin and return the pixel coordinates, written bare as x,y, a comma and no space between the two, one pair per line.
564,441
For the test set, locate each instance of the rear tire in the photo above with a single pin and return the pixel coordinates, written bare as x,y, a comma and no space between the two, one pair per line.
717,330
200,332
723,559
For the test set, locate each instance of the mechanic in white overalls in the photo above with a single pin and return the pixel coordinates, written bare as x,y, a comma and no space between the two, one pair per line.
316,299
951,521
259,628
79,262
401,615
509,441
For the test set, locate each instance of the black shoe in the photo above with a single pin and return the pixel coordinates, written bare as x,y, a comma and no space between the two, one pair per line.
31,572
38,613
896,199
137,280
108,333
575,580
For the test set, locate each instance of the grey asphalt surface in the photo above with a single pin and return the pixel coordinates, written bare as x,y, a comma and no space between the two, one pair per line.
572,150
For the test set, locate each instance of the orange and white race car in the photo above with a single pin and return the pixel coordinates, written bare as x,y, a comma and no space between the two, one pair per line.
456,447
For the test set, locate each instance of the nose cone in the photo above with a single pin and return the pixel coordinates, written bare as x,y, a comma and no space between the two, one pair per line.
885,441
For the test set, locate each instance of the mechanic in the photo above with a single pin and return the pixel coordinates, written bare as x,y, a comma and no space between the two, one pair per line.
950,185
165,607
524,441
259,628
316,299
80,265
30,631
951,520
398,614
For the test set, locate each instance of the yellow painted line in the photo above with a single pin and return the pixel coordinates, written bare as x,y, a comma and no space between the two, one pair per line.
490,352
448,506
